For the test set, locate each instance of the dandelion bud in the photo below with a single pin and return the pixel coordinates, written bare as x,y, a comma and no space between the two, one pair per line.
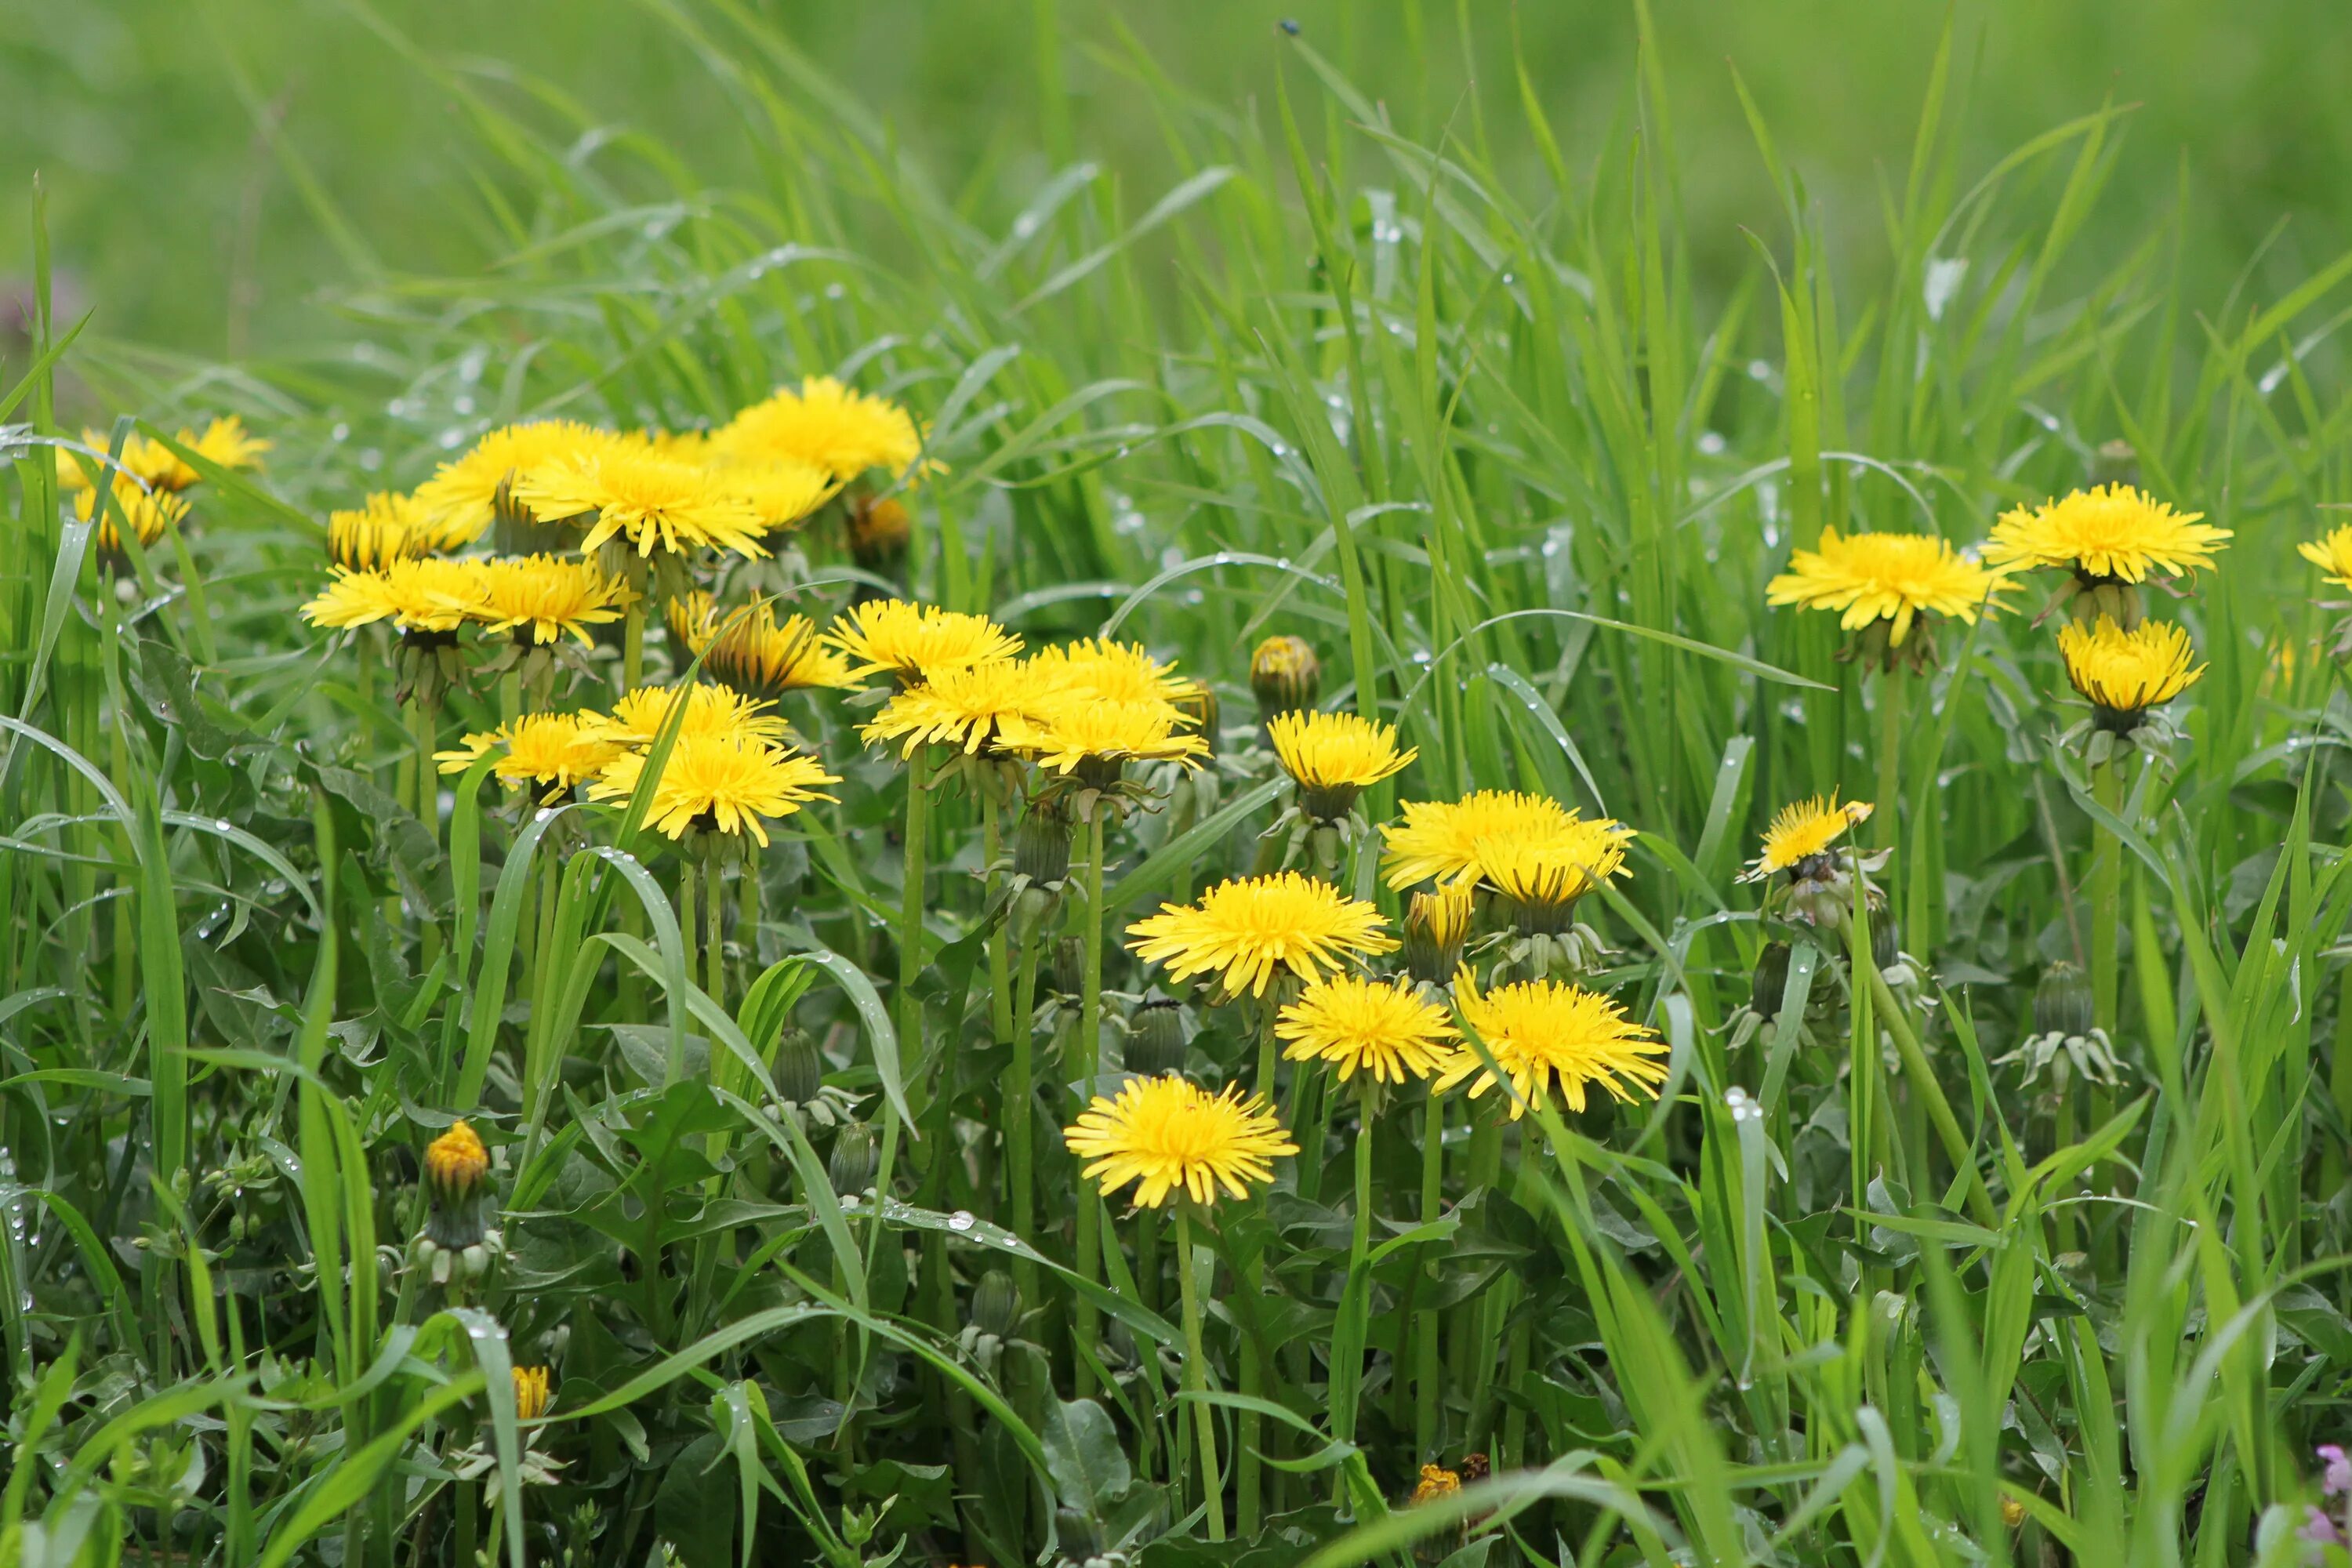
2062,1002
800,1068
852,1166
1769,983
2012,1512
1070,965
454,1164
1285,676
1041,844
878,532
1157,1040
996,1304
532,1393
1435,925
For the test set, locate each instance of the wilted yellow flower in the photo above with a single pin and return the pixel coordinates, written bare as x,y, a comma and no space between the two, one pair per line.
1375,1027
2125,673
1169,1135
1803,829
532,1394
2332,555
1890,577
463,496
553,751
1250,931
718,784
148,513
1436,1481
1438,840
825,425
2109,531
1335,757
423,595
384,529
638,717
1545,1035
962,708
651,502
914,642
549,597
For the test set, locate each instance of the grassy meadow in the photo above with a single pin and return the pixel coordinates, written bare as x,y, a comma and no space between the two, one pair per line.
1492,793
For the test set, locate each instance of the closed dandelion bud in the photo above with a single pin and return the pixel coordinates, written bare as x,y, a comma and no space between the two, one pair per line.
2012,1512
532,1391
800,1068
1285,675
1435,925
1771,981
1070,965
878,532
852,1165
2062,1002
1157,1040
996,1304
1041,844
455,1164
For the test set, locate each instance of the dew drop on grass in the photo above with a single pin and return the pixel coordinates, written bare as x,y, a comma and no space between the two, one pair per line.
963,1218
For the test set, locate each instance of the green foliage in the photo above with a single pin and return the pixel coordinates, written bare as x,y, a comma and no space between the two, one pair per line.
1470,401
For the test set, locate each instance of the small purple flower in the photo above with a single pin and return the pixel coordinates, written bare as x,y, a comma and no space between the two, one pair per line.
2319,1530
2336,1480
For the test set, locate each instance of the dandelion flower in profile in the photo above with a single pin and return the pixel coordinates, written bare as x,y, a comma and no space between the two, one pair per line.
532,1392
2332,555
543,598
1170,1137
1094,737
1379,1028
913,642
1335,757
465,494
649,502
1435,926
2107,532
1437,841
730,784
553,750
423,595
1803,830
638,717
384,529
1893,578
148,514
1548,1037
2123,674
966,708
825,425
751,651
1251,932
1541,876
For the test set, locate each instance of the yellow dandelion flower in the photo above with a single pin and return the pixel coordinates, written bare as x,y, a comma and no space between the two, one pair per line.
1545,1035
385,528
1114,672
2125,673
1067,732
1437,841
914,642
1171,1136
1891,577
637,717
463,497
1248,932
962,708
1333,757
2108,531
1375,1027
825,425
224,442
549,597
456,1162
753,652
148,513
651,502
781,493
1436,1481
1802,829
423,595
1543,875
718,784
2332,555
553,751
1435,926
532,1392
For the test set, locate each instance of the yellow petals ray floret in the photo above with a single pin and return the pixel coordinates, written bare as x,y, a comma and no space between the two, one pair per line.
965,708
1170,1136
913,642
554,751
423,594
1071,730
1387,1030
1892,577
1801,830
2127,672
1554,867
1250,930
2332,555
825,425
726,783
650,501
1547,1037
543,598
1437,841
1332,756
382,529
2108,531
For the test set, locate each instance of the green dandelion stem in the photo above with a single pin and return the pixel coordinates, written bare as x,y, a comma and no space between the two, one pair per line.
1425,1326
1021,1119
1081,1069
1196,1375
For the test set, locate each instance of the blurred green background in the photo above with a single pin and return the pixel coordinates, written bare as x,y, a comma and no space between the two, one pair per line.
172,136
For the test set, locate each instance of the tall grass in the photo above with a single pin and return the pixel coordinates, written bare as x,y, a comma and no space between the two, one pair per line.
1850,1292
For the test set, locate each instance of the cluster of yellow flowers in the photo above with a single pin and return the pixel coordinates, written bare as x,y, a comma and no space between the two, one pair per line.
148,489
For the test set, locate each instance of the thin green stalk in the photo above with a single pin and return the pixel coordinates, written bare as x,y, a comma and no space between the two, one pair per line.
1196,1377
685,908
633,630
428,812
1894,692
1424,1327
2105,886
910,1007
1020,1120
1082,1069
713,923
1347,1371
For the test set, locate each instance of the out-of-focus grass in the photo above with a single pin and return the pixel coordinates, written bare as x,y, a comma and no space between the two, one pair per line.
165,129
